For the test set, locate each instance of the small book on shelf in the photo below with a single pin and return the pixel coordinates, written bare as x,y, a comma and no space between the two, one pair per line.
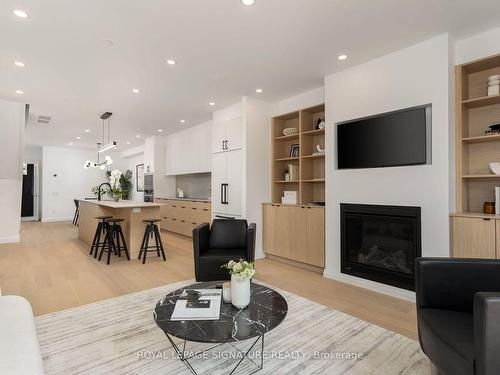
198,304
293,171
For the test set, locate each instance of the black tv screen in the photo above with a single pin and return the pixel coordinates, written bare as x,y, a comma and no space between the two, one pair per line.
386,140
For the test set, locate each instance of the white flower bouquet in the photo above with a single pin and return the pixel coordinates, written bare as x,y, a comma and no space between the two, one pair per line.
242,269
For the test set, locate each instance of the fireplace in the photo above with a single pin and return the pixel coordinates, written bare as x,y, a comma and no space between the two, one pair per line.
380,243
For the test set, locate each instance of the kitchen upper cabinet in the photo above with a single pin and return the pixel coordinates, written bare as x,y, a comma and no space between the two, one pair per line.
189,151
227,136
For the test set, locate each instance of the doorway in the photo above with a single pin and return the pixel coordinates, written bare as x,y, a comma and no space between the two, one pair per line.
29,203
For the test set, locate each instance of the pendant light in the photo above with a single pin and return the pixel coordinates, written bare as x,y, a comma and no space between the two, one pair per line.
102,147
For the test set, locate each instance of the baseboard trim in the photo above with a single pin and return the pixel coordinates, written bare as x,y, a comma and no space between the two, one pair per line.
55,219
291,262
11,239
371,285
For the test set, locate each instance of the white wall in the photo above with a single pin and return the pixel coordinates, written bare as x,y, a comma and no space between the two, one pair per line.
64,179
133,161
477,46
414,76
12,126
301,101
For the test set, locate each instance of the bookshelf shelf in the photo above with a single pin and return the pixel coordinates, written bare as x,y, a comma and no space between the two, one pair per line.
310,168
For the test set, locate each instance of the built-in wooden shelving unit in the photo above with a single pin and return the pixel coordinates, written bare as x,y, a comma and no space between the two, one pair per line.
475,112
310,183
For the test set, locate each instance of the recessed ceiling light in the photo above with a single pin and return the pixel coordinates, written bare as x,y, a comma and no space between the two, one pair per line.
87,130
70,144
78,137
136,91
342,57
128,142
211,104
182,121
20,13
247,2
19,63
171,62
259,91
138,136
20,92
160,130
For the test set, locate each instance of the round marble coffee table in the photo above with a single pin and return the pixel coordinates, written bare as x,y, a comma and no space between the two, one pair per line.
266,311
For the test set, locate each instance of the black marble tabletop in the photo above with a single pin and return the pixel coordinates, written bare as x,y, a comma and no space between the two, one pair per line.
266,311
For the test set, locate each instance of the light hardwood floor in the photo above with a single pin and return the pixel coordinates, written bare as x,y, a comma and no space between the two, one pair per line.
52,269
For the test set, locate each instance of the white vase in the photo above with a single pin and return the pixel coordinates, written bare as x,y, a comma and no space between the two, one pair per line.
240,292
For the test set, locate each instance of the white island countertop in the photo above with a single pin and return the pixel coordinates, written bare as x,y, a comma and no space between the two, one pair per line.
121,203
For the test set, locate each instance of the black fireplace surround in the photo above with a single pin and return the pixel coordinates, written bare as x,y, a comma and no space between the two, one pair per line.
380,243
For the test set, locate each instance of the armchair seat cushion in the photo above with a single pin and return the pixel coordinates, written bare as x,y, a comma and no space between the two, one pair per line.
230,254
447,337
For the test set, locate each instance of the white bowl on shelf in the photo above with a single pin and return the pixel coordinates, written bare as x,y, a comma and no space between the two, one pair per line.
494,83
495,168
290,131
496,77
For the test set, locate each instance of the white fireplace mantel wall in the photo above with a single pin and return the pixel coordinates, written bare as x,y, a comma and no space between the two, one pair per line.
414,76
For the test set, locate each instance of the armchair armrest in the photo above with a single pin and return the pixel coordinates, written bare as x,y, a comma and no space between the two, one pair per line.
486,332
201,235
252,228
450,283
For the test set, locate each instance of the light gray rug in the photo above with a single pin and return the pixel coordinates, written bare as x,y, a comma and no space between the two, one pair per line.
119,336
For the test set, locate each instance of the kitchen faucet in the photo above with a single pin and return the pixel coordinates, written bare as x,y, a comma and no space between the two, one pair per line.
99,190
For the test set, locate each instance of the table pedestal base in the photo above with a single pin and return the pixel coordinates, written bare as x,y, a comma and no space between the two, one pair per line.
185,359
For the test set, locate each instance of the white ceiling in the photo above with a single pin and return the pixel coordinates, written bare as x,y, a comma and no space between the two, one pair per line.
223,50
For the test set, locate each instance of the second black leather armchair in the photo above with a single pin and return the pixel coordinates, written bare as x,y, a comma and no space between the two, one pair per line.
225,240
458,314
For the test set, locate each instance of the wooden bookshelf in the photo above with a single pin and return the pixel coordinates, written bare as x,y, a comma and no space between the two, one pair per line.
311,182
475,112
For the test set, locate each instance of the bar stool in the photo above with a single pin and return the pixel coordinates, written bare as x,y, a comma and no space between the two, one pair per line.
76,217
114,240
102,229
151,230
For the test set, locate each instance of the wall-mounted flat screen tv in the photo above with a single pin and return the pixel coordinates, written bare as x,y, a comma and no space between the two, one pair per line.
386,140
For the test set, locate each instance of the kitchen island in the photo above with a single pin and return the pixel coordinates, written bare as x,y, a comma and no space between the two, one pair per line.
132,212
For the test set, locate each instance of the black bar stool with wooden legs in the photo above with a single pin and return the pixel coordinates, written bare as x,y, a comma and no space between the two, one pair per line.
102,228
117,240
150,232
76,217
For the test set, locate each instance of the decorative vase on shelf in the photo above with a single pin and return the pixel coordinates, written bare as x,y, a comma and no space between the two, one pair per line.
116,197
240,292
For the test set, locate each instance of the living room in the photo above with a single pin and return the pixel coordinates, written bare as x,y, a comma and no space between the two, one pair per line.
344,205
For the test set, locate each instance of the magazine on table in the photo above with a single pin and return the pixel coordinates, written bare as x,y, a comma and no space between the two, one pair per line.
198,304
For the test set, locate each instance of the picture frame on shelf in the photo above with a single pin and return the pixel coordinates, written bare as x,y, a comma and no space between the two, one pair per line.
294,151
139,177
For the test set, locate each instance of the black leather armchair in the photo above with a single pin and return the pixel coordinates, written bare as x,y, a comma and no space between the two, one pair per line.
226,240
458,314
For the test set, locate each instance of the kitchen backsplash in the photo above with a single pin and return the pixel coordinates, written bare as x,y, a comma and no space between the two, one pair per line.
194,185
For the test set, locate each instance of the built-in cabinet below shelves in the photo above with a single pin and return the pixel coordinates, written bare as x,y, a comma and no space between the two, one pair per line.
295,233
475,236
181,216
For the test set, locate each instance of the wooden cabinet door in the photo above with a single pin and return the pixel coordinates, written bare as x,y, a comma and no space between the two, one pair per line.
269,226
315,237
473,238
283,230
298,233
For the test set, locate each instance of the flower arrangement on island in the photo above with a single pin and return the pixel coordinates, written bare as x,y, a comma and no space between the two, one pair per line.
241,270
114,181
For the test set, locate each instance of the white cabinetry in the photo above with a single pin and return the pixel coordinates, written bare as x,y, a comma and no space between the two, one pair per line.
227,183
188,151
227,136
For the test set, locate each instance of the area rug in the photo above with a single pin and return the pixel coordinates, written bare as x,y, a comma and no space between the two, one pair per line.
119,336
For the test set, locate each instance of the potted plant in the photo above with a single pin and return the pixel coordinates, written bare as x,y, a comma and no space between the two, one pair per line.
114,181
241,273
125,183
